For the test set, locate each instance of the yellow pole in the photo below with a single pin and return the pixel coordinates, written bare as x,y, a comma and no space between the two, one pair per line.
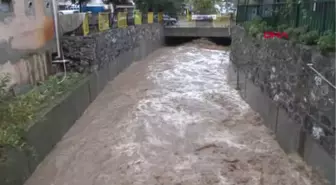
85,25
160,17
188,15
150,17
138,18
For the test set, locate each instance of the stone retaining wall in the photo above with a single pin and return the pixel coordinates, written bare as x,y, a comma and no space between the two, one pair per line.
93,51
293,100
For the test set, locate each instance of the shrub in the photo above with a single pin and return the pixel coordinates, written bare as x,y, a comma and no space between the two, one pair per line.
326,42
309,38
294,33
282,27
256,27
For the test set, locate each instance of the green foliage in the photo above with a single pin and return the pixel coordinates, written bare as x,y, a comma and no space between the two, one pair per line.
168,6
204,6
4,80
256,27
327,41
309,38
17,112
282,27
294,33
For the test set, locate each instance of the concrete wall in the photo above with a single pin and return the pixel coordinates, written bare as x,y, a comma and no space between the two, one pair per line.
296,104
91,52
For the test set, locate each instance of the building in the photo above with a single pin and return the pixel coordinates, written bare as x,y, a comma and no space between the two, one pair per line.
26,39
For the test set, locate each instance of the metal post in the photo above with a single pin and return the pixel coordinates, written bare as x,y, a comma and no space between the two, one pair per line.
55,14
237,85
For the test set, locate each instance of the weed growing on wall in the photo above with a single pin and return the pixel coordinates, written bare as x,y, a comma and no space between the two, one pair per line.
16,112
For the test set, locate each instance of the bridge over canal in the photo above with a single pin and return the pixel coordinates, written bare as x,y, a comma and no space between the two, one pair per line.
199,29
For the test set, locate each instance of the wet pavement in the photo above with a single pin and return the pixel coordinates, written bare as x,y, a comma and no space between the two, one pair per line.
172,119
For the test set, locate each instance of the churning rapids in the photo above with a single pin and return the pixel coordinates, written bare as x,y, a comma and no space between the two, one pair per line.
171,119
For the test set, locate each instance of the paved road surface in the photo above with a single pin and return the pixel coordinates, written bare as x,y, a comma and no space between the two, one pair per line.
172,119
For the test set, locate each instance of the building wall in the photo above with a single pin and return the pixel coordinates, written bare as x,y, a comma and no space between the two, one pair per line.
26,39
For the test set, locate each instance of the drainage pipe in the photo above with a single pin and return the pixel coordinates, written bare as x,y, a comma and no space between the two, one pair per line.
58,44
56,26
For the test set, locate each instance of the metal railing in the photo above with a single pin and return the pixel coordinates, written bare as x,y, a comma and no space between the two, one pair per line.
321,76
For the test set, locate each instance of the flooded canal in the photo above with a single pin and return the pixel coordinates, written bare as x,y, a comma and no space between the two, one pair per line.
172,119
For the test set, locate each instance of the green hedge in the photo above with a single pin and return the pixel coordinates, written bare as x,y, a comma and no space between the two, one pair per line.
325,42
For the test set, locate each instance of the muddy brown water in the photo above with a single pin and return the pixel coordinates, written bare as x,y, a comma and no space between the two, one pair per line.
171,119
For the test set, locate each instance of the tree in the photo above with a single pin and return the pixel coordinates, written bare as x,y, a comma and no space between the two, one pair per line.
204,6
169,6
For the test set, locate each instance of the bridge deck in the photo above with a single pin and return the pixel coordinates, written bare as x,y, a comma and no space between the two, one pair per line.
198,29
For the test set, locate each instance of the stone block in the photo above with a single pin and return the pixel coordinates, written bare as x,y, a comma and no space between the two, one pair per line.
254,97
113,70
93,86
15,169
287,132
103,77
137,54
129,58
81,97
143,49
319,159
271,116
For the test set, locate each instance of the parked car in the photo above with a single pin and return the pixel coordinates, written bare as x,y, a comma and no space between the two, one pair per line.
65,12
167,20
199,17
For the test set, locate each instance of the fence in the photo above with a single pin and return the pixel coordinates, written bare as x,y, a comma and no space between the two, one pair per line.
317,15
104,21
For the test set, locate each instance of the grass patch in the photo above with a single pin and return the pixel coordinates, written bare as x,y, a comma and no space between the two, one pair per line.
17,112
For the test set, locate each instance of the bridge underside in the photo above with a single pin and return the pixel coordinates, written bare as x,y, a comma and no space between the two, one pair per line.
196,32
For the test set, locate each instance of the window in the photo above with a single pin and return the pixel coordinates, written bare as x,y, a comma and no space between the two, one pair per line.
6,6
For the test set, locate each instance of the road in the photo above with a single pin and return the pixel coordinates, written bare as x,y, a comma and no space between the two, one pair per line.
171,119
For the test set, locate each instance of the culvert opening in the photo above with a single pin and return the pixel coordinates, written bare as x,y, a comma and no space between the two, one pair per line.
223,41
175,41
